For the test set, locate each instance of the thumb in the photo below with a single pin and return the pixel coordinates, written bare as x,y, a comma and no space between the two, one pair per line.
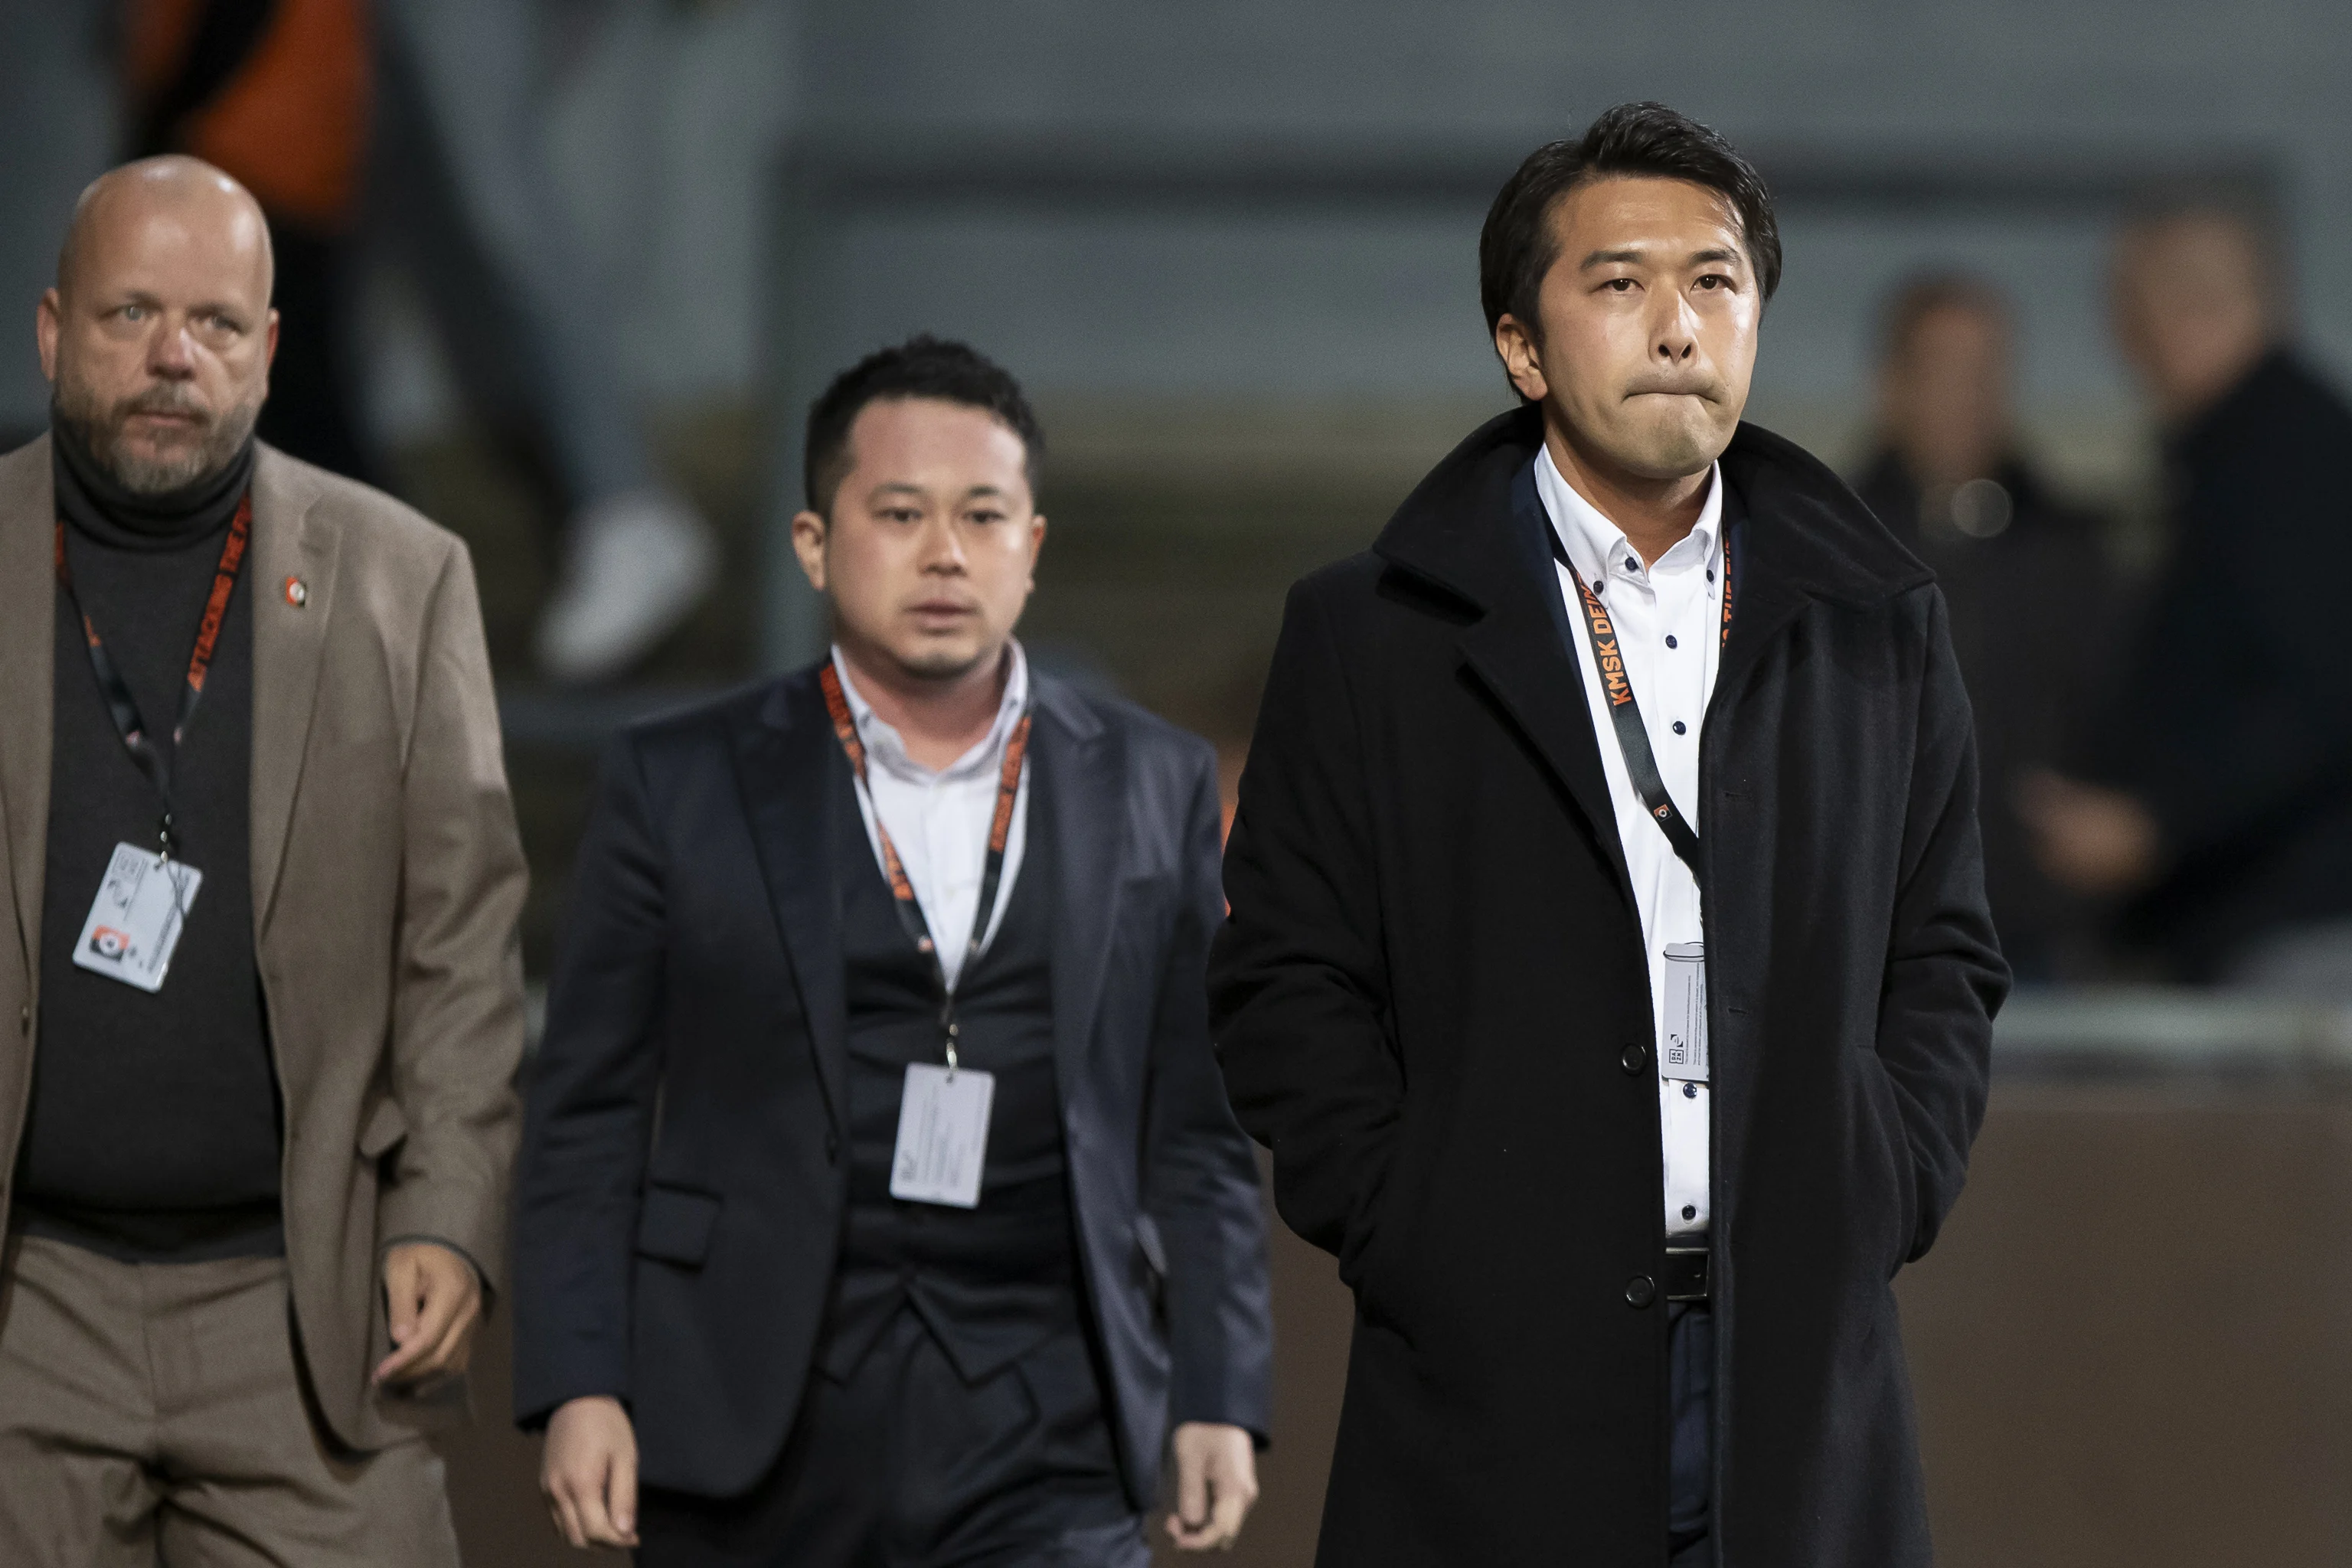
1192,1490
400,1280
622,1492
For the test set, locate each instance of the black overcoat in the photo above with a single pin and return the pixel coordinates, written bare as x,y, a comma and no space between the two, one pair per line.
1432,1004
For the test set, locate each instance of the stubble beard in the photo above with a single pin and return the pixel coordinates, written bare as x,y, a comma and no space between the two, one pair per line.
215,443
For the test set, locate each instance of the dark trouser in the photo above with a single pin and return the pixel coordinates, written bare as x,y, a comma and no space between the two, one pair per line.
905,1465
1690,1407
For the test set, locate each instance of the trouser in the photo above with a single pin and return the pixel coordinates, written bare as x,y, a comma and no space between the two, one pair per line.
155,1413
905,1465
1690,1410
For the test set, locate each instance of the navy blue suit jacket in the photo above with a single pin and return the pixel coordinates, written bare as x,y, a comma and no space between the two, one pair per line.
685,1169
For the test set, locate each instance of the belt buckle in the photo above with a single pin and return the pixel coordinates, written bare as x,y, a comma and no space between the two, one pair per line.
1687,1272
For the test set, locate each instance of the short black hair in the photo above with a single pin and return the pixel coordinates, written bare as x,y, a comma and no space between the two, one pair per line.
922,366
1920,297
1644,140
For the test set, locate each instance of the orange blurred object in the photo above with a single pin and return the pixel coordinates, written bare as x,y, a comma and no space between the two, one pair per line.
291,120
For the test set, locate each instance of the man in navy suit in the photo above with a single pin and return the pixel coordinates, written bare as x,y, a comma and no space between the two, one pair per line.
880,1203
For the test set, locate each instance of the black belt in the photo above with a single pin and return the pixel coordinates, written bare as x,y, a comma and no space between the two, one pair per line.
1686,1268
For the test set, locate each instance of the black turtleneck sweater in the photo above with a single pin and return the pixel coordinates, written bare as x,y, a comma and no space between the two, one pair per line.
154,1130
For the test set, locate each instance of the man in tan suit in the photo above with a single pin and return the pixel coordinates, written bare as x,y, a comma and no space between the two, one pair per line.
259,888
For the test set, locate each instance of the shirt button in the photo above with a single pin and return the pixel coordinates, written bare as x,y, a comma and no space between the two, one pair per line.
1679,729
1690,1092
1671,643
1690,1211
1634,1059
1632,564
1640,1291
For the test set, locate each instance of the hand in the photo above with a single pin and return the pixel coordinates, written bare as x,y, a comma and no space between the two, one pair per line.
589,1473
1216,1482
2093,840
435,1303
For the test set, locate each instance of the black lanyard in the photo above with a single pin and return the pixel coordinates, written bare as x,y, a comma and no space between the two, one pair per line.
125,708
1625,714
902,891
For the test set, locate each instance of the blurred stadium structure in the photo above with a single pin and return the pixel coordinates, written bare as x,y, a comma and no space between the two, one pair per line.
1230,245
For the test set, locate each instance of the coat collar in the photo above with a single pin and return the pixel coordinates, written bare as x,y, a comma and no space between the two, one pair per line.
1809,538
1474,534
795,792
291,547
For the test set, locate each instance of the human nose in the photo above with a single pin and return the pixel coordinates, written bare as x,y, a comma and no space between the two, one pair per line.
172,351
944,546
1675,339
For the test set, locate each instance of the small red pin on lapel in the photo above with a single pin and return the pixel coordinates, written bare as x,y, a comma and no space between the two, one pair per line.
297,593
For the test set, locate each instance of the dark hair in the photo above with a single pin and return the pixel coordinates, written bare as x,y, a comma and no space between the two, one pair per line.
1916,298
1517,247
922,366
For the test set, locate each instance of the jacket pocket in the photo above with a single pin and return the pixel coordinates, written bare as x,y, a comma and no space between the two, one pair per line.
675,1224
385,1129
1886,1113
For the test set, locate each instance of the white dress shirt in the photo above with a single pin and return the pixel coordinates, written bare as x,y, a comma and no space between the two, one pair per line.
1669,623
939,818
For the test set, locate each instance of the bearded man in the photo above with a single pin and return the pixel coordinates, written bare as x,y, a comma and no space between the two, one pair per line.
257,928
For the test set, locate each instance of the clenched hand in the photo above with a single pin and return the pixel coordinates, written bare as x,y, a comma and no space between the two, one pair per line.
435,1303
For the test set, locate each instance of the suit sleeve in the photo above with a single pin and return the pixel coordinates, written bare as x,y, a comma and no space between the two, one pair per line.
589,1122
458,1010
1945,975
1298,989
1201,1178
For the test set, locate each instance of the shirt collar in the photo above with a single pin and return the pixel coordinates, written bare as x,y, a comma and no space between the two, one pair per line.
885,747
1598,547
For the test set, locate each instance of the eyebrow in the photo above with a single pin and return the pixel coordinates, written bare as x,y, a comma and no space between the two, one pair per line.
1635,255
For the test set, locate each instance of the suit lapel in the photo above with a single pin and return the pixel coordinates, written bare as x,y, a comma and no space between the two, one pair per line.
1081,776
28,630
787,757
1520,650
290,548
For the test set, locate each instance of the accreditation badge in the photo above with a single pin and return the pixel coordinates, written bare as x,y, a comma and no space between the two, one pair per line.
942,1135
135,921
1684,1056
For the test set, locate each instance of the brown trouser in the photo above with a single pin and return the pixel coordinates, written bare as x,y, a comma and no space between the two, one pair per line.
154,1414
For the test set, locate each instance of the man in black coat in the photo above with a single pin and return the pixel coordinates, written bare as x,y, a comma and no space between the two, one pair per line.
857,1239
2036,613
2217,800
1622,1060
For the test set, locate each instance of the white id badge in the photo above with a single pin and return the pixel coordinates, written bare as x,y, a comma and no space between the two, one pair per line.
942,1135
136,919
1685,1058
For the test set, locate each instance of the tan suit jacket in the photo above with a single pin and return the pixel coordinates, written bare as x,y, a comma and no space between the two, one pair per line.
387,883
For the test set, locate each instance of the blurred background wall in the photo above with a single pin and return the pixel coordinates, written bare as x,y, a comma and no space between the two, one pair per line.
1230,247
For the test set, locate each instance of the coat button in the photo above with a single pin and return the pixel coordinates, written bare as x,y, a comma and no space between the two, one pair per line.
1640,1291
1635,1058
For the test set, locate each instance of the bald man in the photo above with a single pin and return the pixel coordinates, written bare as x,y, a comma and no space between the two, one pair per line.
257,928
2218,809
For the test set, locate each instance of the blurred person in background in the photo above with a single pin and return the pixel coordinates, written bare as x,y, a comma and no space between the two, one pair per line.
2217,800
1635,747
921,891
418,124
261,947
2033,602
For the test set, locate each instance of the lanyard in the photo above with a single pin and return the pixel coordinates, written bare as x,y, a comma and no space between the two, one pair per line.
121,705
1625,714
902,891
